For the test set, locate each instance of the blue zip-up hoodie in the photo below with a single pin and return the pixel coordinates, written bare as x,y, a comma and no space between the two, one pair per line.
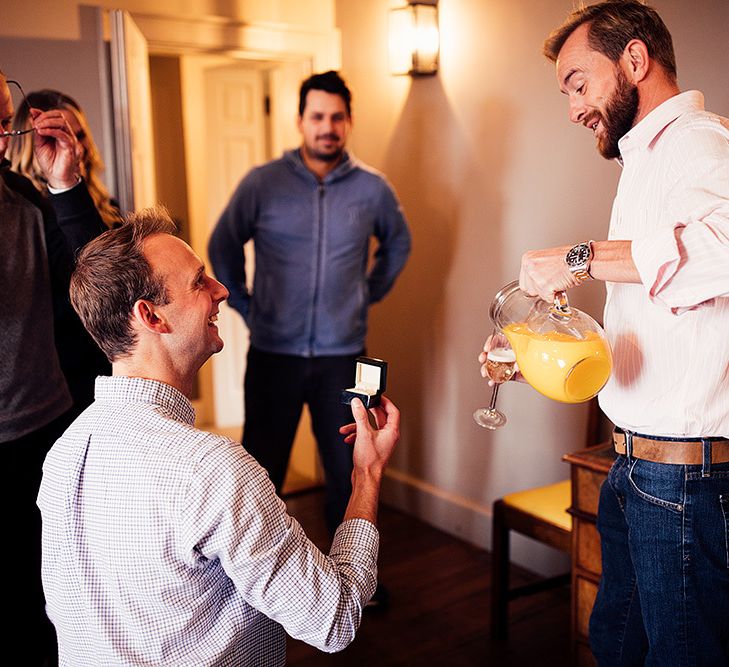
311,289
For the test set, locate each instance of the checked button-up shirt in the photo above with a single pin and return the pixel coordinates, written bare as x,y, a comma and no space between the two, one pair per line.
167,545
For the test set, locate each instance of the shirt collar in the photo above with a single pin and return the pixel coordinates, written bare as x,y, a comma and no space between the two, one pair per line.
119,389
648,130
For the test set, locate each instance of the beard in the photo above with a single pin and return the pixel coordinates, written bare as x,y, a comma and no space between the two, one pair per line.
333,156
326,156
619,116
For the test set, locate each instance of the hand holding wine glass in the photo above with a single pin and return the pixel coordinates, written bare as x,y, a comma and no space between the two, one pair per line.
499,364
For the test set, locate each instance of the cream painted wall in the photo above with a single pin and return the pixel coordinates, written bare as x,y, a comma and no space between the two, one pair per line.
59,19
486,165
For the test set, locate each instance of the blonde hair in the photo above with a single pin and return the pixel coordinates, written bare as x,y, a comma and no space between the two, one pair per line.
23,160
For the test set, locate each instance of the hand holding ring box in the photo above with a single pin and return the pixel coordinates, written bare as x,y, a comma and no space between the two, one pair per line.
370,382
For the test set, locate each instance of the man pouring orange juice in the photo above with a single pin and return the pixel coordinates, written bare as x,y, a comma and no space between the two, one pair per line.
663,514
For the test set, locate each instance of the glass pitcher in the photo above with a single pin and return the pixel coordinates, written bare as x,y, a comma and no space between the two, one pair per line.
561,352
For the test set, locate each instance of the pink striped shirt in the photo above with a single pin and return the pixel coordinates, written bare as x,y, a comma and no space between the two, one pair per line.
670,335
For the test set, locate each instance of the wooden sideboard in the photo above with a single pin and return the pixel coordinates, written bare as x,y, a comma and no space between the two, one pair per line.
589,468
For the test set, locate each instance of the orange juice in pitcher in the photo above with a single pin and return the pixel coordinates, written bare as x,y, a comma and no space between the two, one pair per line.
560,365
561,352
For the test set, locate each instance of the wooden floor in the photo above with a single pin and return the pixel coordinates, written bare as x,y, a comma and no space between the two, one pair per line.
439,604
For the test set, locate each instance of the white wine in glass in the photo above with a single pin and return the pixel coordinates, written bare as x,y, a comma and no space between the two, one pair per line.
500,367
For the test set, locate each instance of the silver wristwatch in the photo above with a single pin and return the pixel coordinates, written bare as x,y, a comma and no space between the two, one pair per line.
578,260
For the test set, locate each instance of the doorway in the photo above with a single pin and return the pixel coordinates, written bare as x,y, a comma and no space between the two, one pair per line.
215,117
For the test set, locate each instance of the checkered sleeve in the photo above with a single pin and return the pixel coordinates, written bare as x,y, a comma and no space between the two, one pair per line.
233,514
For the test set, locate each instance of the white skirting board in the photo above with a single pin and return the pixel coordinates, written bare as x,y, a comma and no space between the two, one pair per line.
465,519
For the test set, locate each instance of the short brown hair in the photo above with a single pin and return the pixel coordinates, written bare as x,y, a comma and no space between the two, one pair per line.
330,82
112,274
612,25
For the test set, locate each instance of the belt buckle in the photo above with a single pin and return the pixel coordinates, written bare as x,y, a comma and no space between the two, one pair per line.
620,441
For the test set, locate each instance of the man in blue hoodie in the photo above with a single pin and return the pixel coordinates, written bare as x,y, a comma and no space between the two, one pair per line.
310,214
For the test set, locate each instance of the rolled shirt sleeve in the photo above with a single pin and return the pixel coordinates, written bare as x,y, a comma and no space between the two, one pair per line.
686,262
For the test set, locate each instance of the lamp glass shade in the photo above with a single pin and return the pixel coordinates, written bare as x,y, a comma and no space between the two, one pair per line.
414,39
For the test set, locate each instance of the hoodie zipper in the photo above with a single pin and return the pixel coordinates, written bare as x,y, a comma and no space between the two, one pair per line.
319,253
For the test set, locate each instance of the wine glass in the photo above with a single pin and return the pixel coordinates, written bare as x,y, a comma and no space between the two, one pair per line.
500,367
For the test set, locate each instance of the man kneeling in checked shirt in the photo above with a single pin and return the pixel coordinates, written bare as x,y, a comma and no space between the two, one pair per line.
167,545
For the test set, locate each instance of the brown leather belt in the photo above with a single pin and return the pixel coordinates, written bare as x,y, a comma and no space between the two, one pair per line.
689,451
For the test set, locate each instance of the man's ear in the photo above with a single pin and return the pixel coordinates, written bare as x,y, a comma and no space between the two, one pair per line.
636,60
147,315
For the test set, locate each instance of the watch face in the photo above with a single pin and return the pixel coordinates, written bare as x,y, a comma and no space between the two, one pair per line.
578,255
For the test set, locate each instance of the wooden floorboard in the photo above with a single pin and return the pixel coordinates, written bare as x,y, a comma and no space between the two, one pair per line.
439,604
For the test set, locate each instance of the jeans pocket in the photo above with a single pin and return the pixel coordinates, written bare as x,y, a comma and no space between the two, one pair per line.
724,502
658,484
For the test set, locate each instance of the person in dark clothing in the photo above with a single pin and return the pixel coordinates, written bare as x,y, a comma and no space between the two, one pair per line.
81,359
37,247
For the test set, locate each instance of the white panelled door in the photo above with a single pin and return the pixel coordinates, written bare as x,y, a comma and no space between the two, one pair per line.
236,142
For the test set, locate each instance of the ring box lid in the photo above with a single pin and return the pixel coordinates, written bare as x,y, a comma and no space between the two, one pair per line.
370,376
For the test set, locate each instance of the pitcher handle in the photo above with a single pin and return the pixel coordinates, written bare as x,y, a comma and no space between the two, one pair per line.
561,303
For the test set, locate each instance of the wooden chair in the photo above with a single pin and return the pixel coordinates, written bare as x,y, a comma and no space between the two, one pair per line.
542,515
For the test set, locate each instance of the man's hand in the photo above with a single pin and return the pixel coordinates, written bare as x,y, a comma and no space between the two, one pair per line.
372,446
544,272
56,148
372,450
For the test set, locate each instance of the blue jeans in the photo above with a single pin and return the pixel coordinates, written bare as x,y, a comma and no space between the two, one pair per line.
664,594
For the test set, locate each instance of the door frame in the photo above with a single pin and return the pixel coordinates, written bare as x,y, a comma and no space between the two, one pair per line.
293,52
290,46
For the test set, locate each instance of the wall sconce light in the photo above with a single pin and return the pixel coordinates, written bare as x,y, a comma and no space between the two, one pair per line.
414,39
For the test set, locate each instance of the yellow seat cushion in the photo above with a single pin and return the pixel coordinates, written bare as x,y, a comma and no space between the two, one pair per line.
548,503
